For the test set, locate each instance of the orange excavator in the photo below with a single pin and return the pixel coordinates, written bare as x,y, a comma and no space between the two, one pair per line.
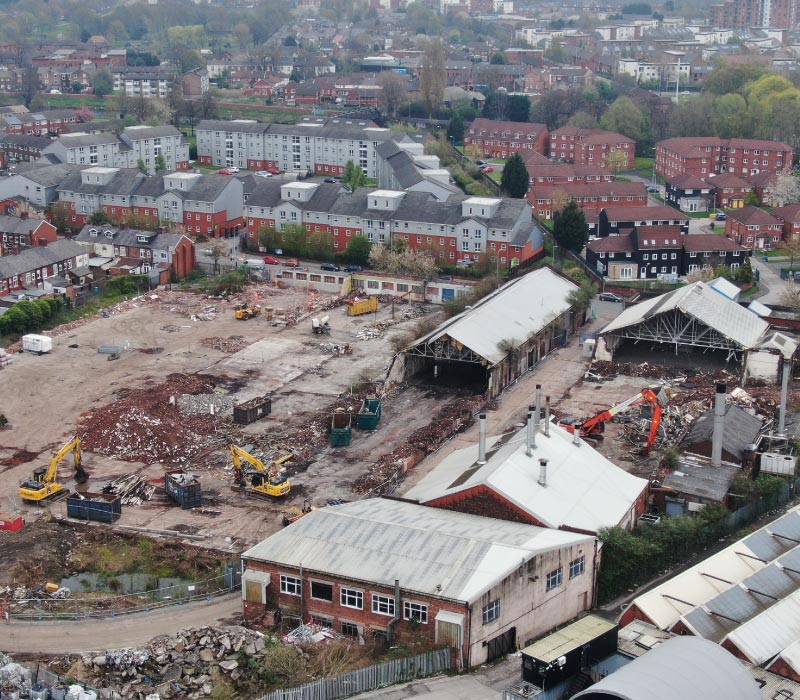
592,428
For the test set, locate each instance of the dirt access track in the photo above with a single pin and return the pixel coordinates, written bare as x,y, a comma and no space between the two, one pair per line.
45,397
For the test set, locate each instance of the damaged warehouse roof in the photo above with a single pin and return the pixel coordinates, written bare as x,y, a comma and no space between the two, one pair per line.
436,552
703,302
583,490
513,313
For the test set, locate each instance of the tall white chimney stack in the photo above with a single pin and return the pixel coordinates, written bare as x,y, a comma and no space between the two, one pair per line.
482,439
542,472
719,424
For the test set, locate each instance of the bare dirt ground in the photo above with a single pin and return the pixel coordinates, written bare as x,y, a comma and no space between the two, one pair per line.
45,397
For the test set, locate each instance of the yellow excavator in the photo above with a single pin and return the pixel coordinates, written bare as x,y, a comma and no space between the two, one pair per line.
43,486
264,482
244,312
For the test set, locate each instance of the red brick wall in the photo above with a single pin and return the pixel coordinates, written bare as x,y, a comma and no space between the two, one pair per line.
480,500
780,667
631,614
369,621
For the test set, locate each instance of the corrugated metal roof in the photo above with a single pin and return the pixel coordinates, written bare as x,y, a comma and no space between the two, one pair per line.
664,605
568,638
515,312
584,489
435,552
702,480
681,667
769,633
709,307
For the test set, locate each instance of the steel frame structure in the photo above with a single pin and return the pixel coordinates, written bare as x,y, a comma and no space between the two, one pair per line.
445,349
678,329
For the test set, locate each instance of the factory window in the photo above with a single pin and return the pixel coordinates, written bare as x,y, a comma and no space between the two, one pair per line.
290,584
350,629
555,578
415,611
322,591
382,604
352,598
491,612
577,567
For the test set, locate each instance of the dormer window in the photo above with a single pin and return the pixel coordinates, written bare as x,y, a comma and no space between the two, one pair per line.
141,239
92,231
109,234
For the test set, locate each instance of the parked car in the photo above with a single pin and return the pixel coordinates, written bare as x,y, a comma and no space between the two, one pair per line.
330,267
652,189
233,169
274,171
487,169
608,296
291,262
481,163
722,216
331,180
263,173
271,260
226,171
353,268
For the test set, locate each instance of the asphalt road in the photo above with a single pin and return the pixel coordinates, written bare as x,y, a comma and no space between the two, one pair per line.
74,637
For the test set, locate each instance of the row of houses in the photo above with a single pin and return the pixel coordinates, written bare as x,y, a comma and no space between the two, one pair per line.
711,155
501,139
478,230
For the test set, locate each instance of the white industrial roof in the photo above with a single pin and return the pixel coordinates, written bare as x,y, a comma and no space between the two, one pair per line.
665,604
781,342
435,552
513,313
681,667
726,288
769,633
584,490
705,304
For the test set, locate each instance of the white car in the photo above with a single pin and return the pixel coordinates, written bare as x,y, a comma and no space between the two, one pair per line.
232,168
263,173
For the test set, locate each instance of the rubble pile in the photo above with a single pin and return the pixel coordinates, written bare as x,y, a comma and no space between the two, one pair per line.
5,359
231,344
387,473
143,425
186,665
672,376
14,678
312,634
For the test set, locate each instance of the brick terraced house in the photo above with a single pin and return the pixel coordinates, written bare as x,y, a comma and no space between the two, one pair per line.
384,569
709,155
592,196
17,234
754,228
141,252
210,205
32,267
592,147
499,139
473,229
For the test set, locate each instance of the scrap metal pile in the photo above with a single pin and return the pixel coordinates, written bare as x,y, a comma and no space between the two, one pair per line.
232,344
144,425
131,488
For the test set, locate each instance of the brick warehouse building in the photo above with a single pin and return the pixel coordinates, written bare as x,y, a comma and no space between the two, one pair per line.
709,155
476,229
592,147
387,569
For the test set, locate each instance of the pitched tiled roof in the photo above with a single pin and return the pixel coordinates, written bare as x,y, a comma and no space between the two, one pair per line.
710,242
659,213
612,244
753,216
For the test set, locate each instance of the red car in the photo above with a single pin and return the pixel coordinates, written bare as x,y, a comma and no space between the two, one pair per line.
226,171
273,171
488,169
271,260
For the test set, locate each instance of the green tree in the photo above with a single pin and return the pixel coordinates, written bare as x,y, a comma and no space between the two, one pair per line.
731,77
103,82
624,117
519,108
161,163
515,179
498,59
394,92
455,130
730,113
99,217
141,166
569,229
358,250
353,176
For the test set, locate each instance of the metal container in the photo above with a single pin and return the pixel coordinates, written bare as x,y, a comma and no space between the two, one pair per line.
341,428
99,507
369,414
252,410
183,488
363,306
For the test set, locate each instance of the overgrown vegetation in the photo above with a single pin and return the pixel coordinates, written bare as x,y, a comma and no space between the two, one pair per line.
486,286
632,557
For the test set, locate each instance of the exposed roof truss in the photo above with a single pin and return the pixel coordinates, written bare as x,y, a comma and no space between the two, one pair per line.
679,329
445,348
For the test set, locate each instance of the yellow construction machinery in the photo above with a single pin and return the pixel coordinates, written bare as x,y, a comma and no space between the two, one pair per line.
43,486
293,514
244,312
264,481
